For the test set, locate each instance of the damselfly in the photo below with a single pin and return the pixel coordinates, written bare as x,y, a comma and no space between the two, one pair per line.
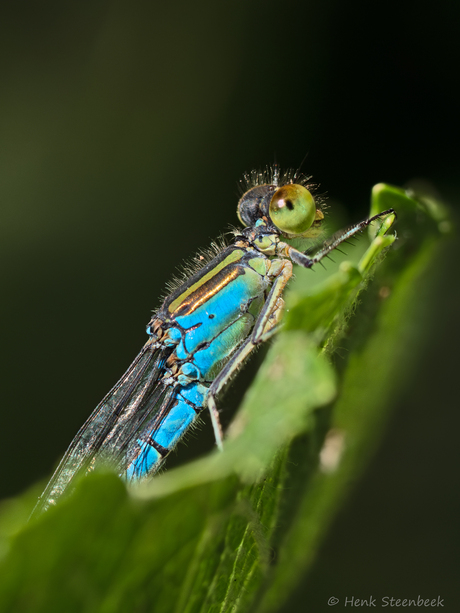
202,333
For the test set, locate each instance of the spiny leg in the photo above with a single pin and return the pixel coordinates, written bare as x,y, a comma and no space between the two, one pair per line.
220,381
307,262
265,326
271,312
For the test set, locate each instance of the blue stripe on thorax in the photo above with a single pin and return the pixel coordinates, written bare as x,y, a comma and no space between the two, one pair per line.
209,360
225,307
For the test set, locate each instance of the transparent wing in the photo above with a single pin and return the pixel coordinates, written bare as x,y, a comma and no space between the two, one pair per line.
157,409
119,414
122,444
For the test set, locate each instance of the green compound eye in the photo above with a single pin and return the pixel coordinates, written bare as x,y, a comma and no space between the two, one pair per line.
292,209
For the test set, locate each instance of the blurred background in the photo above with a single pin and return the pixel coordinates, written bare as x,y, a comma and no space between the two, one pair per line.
124,128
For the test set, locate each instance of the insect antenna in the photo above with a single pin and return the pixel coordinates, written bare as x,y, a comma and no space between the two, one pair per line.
297,172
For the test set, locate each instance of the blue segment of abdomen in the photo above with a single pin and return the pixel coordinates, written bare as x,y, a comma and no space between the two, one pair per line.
147,462
187,403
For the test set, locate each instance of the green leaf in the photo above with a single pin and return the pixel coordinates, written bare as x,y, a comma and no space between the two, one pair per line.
235,531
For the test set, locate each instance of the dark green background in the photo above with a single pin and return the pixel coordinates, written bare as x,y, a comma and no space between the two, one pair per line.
124,127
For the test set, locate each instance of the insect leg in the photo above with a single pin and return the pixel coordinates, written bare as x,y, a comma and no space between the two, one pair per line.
307,262
264,327
220,381
270,314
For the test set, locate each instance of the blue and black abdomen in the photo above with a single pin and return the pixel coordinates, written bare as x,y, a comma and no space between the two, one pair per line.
205,320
